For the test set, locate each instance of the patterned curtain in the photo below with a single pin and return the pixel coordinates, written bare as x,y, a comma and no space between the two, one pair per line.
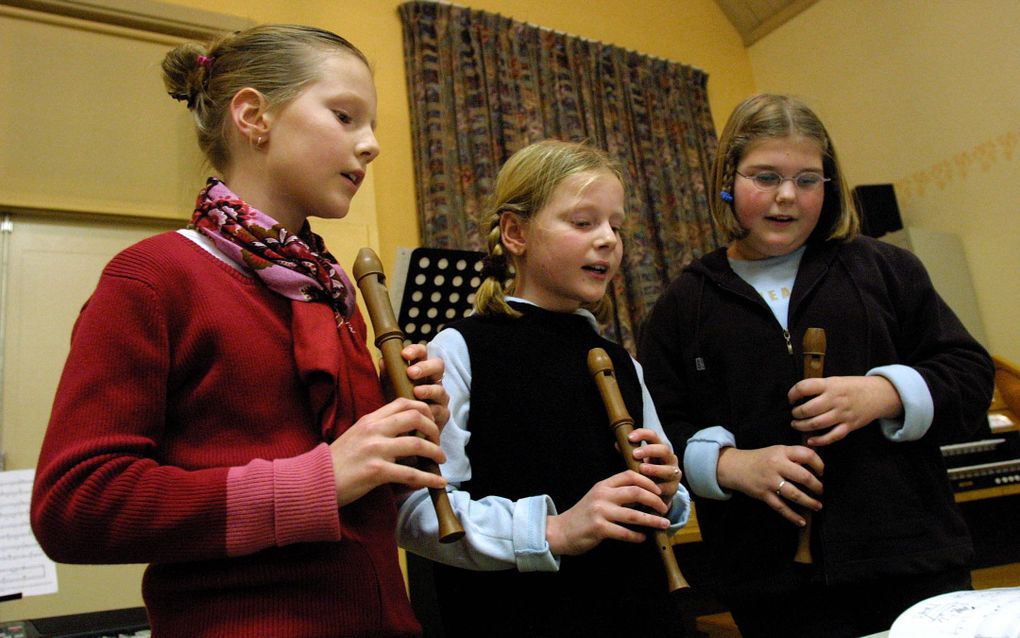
482,86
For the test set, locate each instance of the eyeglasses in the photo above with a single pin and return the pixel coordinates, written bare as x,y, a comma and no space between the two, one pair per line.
770,180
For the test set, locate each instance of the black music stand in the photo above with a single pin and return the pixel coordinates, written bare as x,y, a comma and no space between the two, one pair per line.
432,287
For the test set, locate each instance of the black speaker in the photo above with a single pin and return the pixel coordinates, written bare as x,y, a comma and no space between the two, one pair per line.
879,212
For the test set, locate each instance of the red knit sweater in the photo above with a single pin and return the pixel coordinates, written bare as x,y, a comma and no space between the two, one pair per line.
189,431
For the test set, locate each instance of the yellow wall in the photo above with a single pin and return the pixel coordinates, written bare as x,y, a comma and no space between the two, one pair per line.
923,95
693,32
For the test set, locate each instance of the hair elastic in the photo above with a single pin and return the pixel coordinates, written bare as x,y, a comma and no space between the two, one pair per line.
206,61
726,196
494,266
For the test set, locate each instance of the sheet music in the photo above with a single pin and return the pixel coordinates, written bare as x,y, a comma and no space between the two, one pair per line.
983,613
24,568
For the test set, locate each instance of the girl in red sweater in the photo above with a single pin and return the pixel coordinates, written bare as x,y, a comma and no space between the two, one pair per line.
219,416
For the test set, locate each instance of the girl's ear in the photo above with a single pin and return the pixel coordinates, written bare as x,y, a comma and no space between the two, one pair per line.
249,112
514,233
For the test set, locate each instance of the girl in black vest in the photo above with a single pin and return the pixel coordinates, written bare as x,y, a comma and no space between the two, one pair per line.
554,542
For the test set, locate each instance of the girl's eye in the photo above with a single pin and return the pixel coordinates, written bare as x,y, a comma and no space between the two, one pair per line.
808,181
582,223
343,117
767,179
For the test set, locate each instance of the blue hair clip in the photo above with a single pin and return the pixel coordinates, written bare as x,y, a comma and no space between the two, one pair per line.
726,196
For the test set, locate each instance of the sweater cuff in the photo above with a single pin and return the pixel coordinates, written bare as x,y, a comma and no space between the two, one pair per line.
531,549
918,407
280,502
701,461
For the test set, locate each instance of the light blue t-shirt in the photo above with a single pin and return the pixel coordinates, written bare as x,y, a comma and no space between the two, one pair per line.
773,279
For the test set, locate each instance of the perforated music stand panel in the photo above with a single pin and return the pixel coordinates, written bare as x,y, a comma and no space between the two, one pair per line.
436,286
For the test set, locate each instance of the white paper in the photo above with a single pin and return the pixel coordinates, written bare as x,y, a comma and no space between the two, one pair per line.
24,568
983,613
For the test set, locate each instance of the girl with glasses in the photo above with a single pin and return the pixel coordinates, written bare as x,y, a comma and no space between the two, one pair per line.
858,448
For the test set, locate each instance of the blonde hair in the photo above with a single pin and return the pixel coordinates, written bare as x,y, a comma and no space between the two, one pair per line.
765,116
278,60
523,186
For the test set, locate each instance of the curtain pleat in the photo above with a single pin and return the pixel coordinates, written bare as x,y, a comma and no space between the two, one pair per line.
482,86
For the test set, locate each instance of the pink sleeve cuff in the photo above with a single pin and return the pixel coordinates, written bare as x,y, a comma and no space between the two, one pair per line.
280,502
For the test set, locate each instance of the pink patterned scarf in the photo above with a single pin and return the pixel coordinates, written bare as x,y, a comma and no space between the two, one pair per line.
296,266
333,364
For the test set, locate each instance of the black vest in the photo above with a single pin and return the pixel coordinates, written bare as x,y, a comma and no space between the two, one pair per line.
538,426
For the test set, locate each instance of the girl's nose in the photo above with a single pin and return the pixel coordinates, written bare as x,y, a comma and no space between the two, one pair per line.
367,147
787,191
607,236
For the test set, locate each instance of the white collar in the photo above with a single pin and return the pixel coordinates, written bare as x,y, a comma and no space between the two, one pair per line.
580,311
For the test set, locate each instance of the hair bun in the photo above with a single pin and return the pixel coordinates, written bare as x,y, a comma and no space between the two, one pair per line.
185,71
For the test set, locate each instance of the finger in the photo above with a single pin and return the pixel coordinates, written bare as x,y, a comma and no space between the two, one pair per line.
621,533
402,447
428,369
811,425
419,478
645,519
411,405
635,479
779,499
398,405
804,457
643,434
786,512
635,496
837,433
661,473
793,494
406,422
805,388
440,415
813,408
653,453
631,514
816,426
413,352
800,479
407,474
431,393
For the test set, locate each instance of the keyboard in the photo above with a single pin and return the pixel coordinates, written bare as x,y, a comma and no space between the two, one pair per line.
115,623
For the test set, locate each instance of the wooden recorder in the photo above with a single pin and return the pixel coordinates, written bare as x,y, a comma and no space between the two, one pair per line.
389,339
601,368
814,361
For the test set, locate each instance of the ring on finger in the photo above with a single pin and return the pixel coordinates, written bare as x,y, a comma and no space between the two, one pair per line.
780,488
